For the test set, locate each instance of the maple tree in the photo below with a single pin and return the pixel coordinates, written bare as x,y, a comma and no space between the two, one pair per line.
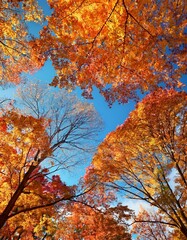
16,53
92,217
145,158
129,46
118,46
35,149
151,225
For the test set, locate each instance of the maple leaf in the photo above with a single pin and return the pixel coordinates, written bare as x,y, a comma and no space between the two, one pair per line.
129,46
16,54
145,157
37,144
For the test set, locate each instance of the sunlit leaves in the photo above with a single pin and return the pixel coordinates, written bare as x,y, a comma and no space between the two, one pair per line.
16,54
38,143
145,157
92,217
130,45
86,222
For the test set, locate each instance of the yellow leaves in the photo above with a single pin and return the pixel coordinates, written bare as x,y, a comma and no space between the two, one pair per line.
20,143
31,10
5,194
46,225
141,156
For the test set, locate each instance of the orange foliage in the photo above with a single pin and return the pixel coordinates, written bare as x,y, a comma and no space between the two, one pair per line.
27,194
118,46
34,149
91,217
15,53
146,156
129,46
83,222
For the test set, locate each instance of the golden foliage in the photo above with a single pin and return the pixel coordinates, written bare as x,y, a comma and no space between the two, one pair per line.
16,54
147,155
117,46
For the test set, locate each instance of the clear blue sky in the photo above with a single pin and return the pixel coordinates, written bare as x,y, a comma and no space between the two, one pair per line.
112,117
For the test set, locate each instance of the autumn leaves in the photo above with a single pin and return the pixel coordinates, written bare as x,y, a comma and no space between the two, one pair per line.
124,48
129,46
118,46
145,157
35,148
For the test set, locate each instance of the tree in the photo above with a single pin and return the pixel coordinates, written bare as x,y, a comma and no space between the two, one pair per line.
151,225
91,217
145,158
86,223
129,46
16,53
35,149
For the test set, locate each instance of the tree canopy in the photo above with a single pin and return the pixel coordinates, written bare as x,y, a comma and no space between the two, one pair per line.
35,150
127,49
145,158
129,46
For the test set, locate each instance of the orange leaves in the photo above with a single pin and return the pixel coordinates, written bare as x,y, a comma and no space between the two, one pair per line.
84,221
119,47
129,46
120,51
20,141
16,55
124,46
145,156
22,136
158,121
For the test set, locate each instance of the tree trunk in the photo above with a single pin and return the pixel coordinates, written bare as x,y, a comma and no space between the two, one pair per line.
4,216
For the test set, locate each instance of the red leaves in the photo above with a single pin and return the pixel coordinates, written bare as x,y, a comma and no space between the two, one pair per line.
57,188
3,125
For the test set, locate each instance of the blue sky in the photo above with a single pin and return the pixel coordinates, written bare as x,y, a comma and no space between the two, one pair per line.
112,116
